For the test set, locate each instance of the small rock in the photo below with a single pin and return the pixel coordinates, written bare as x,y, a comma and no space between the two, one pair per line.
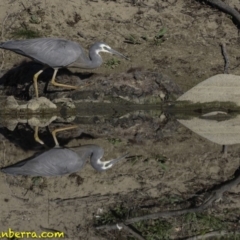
11,102
11,124
66,102
41,122
38,103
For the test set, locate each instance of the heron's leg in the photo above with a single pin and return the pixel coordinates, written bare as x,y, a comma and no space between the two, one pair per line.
36,137
225,150
54,132
35,78
60,84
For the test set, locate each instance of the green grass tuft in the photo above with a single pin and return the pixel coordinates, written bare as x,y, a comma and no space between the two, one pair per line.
25,33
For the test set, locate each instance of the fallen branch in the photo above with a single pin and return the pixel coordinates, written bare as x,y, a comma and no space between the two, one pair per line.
225,8
214,195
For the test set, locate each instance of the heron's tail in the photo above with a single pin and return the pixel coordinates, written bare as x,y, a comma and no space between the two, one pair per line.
15,169
12,170
2,45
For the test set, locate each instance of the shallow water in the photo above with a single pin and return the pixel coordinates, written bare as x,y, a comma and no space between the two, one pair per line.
165,159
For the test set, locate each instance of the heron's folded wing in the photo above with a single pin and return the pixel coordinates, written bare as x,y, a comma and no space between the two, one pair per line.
55,162
53,52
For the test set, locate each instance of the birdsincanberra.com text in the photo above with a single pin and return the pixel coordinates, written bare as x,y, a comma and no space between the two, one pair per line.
10,234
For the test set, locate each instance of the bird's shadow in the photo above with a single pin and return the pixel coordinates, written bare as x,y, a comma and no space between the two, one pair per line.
18,81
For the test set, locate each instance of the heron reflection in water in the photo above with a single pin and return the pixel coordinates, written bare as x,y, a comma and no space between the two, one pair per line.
59,160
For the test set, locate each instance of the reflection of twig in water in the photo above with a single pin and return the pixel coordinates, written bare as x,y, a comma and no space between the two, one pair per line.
225,56
226,65
215,194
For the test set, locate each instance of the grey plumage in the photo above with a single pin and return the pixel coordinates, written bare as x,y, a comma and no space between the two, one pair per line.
53,53
59,161
58,53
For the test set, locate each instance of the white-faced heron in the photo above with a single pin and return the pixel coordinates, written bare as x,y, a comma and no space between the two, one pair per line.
59,161
59,53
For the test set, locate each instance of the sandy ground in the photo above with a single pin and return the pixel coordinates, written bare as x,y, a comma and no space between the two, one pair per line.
189,54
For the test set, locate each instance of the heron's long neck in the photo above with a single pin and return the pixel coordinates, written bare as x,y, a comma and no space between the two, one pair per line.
93,151
95,58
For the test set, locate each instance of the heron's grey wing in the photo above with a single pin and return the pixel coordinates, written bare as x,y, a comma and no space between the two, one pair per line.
53,52
55,162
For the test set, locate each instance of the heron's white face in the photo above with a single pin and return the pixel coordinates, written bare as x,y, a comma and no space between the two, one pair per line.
105,165
102,166
102,47
105,48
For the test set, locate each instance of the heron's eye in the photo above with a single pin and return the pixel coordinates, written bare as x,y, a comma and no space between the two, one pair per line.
106,48
107,165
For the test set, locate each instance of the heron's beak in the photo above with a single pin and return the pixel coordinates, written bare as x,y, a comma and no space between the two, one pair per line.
118,54
108,164
114,161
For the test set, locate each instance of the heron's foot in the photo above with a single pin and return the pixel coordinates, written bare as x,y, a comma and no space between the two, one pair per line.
85,85
54,132
54,83
63,85
36,137
35,79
